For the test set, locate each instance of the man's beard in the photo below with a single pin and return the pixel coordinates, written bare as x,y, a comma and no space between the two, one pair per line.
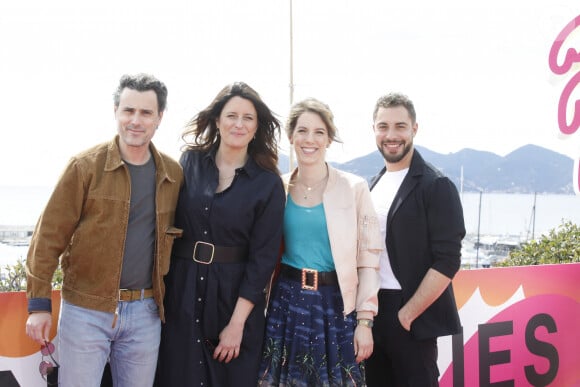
393,159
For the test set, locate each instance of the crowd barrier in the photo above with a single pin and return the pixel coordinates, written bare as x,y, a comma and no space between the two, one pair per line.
521,327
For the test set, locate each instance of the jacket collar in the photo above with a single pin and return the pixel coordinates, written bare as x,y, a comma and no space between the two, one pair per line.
114,159
332,177
375,179
415,168
409,182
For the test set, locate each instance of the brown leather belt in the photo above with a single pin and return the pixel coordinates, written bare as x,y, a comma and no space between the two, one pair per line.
309,278
134,294
207,253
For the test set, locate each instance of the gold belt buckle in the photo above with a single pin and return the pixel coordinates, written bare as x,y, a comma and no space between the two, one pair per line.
195,250
125,291
305,285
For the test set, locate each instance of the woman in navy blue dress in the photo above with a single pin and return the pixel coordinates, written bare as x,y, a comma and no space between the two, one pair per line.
230,209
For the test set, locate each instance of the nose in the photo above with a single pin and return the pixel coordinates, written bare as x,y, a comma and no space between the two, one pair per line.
135,119
239,122
388,134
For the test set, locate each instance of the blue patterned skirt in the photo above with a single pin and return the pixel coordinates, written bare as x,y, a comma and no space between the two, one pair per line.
308,340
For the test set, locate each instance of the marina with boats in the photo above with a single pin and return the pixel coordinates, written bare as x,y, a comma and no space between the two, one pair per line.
15,235
496,223
477,252
488,250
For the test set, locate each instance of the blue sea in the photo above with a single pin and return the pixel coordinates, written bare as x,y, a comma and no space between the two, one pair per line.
518,214
22,205
495,214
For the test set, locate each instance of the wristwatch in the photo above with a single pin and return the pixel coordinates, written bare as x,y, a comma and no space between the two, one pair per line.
366,322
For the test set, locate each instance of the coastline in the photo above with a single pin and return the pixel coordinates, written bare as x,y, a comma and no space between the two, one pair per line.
492,248
499,221
10,254
14,242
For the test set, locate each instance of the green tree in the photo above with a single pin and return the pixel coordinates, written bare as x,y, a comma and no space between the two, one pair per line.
561,245
13,277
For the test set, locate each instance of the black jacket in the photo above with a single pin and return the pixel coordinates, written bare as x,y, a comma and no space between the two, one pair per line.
425,228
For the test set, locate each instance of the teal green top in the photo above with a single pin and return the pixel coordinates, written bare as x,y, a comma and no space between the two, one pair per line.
306,237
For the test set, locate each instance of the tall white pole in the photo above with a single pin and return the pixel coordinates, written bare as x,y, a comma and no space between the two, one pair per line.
461,182
291,162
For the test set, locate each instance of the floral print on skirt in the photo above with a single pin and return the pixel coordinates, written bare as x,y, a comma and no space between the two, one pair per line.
308,340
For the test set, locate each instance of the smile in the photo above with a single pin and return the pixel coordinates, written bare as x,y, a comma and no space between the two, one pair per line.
391,145
309,150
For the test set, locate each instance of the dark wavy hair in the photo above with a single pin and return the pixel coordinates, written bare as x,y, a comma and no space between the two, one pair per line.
142,82
201,132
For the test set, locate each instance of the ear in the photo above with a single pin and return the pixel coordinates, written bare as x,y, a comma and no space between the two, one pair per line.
415,128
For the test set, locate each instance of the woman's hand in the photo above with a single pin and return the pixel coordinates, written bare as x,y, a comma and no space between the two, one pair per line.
230,342
363,342
231,336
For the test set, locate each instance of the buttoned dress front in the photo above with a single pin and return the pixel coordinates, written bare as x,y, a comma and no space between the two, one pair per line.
200,298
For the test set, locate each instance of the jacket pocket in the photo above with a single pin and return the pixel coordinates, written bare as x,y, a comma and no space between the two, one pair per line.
369,233
166,245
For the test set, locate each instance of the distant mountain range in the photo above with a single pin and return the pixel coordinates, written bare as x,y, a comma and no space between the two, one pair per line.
528,169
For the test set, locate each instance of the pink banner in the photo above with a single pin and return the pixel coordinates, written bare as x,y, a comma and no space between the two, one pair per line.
520,328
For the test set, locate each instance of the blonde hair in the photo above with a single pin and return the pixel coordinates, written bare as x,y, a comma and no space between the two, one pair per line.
314,106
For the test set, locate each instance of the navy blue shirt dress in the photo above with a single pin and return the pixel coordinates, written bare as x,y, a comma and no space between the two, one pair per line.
200,298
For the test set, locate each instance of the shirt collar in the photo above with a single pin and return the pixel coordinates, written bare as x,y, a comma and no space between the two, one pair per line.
251,168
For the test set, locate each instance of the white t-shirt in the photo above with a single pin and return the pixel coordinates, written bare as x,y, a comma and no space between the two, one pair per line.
383,194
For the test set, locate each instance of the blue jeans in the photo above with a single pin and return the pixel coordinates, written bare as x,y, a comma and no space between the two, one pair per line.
86,340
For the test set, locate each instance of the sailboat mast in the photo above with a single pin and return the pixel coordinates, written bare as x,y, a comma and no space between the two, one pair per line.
478,230
461,183
534,216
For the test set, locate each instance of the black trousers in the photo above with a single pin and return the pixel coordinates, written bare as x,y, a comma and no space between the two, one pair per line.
398,359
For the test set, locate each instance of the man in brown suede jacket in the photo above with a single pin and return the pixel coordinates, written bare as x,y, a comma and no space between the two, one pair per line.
110,222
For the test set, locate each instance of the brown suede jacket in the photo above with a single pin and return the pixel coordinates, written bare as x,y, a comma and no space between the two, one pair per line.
84,224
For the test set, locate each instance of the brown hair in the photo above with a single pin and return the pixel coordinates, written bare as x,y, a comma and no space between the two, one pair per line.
394,100
202,133
312,105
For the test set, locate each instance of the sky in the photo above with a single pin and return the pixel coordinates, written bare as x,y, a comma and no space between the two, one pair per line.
477,72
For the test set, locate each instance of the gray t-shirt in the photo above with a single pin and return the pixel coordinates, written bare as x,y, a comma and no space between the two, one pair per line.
140,240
